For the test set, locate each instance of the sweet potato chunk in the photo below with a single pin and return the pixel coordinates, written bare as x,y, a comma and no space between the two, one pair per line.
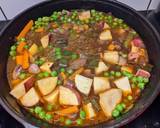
100,84
68,96
123,84
109,100
111,57
52,98
47,85
83,84
30,99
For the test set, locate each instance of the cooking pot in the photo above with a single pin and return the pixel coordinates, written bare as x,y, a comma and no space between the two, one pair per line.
129,15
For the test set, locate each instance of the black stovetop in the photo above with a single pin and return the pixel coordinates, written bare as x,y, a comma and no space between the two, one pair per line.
149,119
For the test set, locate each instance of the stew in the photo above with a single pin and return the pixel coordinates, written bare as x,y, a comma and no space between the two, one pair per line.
78,67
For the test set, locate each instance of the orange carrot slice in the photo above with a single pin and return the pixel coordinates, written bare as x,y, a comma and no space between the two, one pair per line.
19,60
20,47
25,63
25,29
41,29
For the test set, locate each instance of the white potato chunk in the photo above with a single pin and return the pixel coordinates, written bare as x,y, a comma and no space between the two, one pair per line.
105,35
45,41
111,57
19,90
90,113
100,84
47,85
68,96
84,15
101,67
52,98
123,84
30,99
83,84
109,99
46,66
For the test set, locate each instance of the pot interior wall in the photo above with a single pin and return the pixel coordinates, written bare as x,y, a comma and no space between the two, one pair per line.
146,32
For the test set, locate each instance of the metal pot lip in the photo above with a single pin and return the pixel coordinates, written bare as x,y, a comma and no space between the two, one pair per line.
126,7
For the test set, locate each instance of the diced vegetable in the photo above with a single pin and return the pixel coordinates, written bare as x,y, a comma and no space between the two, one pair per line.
111,57
143,73
20,47
127,69
52,98
19,90
33,69
45,41
16,72
67,111
30,99
101,67
109,100
25,63
46,66
123,83
68,96
105,35
29,83
84,15
100,84
83,84
82,114
25,30
47,85
33,49
19,59
90,113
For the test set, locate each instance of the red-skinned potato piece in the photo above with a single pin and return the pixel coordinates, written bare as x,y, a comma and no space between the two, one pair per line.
29,83
69,96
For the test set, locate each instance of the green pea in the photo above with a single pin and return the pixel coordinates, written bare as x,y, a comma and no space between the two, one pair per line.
62,69
67,53
93,11
68,122
48,117
141,85
118,74
145,80
123,105
69,71
38,109
58,53
13,48
12,53
42,114
119,107
120,21
129,97
49,107
61,119
57,49
45,74
54,74
21,39
134,79
140,79
31,110
58,57
112,73
54,17
79,121
82,114
74,56
40,75
26,46
115,113
106,74
22,76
